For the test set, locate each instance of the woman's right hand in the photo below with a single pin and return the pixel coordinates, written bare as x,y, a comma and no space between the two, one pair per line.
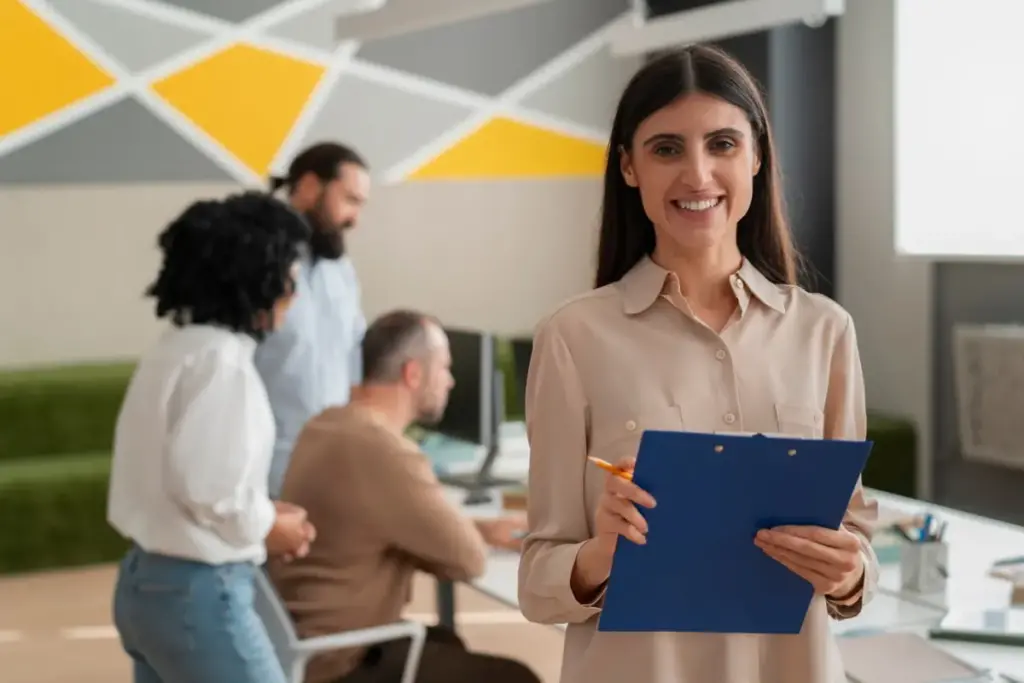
617,515
291,534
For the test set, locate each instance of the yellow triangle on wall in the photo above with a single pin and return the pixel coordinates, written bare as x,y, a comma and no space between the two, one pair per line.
41,72
245,97
503,148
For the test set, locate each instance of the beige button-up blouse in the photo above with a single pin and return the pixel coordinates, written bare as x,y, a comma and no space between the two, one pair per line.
631,356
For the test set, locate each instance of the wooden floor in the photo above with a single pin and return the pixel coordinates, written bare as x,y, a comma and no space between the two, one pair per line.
56,628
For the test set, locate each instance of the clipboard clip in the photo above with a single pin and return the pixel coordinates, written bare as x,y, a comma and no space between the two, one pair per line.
754,435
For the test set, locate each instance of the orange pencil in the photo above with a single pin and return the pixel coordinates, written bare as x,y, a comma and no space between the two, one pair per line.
608,467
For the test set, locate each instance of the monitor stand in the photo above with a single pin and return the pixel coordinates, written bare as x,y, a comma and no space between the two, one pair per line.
479,483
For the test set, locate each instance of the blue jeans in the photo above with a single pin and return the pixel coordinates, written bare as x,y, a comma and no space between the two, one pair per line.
188,622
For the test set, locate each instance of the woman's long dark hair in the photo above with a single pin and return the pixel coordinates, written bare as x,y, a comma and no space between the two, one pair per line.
627,234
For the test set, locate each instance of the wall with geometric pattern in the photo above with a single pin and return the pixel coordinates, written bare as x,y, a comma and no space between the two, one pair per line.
154,91
486,138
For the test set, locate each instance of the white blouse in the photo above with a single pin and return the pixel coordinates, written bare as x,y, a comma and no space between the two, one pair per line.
192,450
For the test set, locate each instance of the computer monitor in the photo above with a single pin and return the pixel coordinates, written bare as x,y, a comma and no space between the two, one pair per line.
476,408
522,349
468,415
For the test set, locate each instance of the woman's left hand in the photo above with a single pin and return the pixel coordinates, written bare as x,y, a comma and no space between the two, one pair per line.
830,560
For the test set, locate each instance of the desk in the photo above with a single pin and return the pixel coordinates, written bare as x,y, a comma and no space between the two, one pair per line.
451,456
506,564
501,578
975,542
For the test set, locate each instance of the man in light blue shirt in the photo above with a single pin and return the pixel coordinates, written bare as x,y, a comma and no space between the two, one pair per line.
313,360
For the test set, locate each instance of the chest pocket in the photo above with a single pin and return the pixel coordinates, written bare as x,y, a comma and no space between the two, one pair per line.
802,421
617,435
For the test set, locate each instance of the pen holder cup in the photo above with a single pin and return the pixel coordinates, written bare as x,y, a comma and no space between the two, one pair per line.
924,567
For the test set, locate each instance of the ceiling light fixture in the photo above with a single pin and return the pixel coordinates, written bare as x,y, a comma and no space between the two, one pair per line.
718,21
350,7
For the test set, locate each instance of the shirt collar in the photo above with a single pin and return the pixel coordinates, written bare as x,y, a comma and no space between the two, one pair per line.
246,341
646,281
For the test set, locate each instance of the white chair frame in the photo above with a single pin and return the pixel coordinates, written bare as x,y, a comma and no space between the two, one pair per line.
295,653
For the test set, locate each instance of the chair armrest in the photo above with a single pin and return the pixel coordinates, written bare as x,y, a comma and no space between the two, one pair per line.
365,636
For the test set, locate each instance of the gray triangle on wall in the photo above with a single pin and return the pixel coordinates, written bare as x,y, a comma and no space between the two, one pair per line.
507,46
228,10
137,42
123,143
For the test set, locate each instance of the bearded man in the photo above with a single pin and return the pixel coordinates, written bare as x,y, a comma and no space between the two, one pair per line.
314,359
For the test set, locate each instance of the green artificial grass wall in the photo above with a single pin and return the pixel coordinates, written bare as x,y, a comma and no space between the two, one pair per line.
892,466
507,365
53,513
56,430
69,409
56,434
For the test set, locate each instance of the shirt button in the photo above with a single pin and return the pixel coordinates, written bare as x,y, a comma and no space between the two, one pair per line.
630,425
720,354
729,418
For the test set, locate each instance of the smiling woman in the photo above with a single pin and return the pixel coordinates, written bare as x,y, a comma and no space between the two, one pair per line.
720,138
695,324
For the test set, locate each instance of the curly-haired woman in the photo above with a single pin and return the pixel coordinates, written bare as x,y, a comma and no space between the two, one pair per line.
193,447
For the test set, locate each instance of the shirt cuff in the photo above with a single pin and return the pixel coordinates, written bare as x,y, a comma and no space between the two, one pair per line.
265,515
552,600
850,605
569,560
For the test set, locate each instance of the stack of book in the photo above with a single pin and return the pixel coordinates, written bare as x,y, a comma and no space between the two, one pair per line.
1012,570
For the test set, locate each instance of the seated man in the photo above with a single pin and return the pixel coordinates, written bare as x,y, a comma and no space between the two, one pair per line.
381,515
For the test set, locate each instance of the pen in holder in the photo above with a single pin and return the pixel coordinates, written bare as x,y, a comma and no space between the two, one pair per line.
924,567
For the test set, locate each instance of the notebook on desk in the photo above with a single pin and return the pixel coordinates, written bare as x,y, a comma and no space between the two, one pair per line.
992,626
903,658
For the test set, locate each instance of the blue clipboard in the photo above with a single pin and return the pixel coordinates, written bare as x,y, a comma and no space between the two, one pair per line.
700,570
